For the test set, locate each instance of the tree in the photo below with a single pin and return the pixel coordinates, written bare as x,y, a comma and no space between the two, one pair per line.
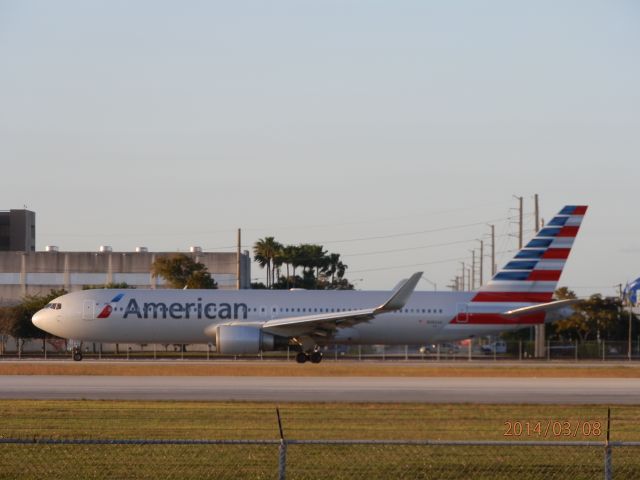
16,320
320,270
266,251
312,258
180,271
596,316
335,267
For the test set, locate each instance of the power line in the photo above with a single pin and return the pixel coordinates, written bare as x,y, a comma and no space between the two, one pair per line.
413,265
408,234
407,249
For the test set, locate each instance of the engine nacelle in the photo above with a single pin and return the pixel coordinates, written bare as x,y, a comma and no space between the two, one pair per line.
239,339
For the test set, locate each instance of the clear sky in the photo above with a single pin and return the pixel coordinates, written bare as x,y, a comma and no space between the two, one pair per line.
390,132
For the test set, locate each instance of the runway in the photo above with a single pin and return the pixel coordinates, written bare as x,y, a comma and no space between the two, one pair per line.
608,391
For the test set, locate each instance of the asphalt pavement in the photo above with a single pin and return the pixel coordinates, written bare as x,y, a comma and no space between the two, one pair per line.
607,391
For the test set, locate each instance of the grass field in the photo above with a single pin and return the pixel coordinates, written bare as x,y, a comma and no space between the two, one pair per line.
331,369
240,420
237,420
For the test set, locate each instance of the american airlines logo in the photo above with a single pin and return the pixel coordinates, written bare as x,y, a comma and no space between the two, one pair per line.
107,309
180,310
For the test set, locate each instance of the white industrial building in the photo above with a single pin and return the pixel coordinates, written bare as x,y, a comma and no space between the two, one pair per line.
31,273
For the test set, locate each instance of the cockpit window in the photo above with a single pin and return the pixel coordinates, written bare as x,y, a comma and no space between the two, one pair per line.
54,306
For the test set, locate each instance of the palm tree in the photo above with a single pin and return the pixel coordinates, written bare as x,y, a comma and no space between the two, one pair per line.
335,266
259,255
289,257
265,251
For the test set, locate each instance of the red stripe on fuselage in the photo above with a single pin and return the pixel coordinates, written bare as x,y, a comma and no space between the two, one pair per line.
497,319
533,297
545,275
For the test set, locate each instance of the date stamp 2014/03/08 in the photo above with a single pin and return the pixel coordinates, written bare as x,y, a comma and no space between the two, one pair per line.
553,428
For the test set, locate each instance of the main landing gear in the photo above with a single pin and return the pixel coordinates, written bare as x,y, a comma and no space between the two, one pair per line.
313,357
77,354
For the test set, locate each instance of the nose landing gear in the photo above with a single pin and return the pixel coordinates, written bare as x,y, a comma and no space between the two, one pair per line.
77,354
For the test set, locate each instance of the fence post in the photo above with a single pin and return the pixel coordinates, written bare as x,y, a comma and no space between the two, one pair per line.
576,350
603,350
282,460
608,464
548,350
282,450
469,352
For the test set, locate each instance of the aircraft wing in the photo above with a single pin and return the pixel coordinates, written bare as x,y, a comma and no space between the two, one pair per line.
324,323
541,307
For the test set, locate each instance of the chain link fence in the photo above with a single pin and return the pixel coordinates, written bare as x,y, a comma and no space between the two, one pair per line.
605,350
312,459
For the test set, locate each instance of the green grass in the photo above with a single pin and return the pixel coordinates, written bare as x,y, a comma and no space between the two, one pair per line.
246,420
302,421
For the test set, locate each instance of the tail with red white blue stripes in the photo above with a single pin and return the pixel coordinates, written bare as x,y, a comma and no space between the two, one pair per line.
533,274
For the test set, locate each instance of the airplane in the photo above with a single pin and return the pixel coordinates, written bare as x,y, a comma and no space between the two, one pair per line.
251,321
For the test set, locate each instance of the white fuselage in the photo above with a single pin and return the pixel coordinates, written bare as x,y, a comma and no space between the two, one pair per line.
181,316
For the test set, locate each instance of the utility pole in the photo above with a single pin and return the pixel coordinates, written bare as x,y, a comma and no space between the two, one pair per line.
239,261
520,238
537,226
464,274
473,270
493,250
627,299
539,330
481,261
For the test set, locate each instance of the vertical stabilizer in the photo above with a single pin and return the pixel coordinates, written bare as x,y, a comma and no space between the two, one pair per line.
533,274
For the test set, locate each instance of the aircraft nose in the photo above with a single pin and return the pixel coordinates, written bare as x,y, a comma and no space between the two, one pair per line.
38,319
42,319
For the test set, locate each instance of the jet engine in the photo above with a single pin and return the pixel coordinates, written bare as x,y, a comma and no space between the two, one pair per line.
239,339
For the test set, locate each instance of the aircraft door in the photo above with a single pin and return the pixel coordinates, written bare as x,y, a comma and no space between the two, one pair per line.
88,310
462,312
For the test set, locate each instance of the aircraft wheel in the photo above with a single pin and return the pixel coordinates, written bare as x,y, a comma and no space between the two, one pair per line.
315,357
77,355
301,357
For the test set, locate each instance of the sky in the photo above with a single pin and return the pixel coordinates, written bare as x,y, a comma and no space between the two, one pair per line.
392,133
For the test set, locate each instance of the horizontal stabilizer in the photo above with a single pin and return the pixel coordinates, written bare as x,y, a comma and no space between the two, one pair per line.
541,307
